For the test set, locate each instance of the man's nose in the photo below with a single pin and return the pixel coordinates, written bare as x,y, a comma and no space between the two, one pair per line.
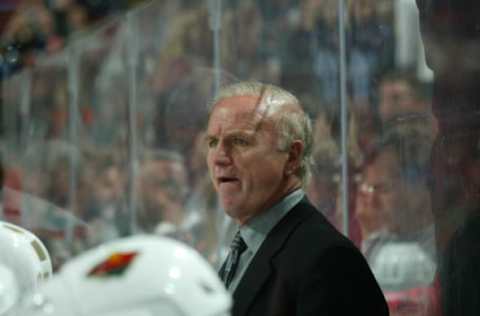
222,155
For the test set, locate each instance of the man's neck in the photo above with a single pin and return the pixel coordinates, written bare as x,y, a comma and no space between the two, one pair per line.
245,220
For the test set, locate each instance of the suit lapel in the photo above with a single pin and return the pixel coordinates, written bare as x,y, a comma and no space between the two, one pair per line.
260,267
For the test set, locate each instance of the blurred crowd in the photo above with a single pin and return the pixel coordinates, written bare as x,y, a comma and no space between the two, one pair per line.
125,161
33,27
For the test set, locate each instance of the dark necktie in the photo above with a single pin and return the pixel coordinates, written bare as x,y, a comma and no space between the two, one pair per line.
237,247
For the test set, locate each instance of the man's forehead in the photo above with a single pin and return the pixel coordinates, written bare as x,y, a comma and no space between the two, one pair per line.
235,113
246,124
265,104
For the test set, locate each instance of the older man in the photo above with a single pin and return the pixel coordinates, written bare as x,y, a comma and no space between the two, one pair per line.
286,259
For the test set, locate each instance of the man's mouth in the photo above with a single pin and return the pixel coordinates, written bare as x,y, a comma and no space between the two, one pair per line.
224,180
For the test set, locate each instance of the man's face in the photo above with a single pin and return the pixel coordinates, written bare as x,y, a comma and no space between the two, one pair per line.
381,193
246,167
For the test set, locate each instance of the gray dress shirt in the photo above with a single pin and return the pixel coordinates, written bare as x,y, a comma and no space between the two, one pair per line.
256,230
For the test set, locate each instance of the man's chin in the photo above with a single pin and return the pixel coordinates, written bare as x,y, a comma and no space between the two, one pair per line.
232,212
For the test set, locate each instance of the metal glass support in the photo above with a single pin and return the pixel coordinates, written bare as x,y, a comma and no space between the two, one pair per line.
25,106
215,11
132,62
73,92
344,116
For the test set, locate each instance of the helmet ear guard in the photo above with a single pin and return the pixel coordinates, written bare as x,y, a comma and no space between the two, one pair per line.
25,264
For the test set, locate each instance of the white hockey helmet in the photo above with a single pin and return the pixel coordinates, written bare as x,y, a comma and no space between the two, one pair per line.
134,276
23,257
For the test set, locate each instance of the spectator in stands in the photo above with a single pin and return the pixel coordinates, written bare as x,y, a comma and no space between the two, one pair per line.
393,201
393,207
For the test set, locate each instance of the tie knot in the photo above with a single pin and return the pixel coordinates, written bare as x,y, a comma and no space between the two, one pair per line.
238,244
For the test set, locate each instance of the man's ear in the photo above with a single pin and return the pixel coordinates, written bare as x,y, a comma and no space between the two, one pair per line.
295,154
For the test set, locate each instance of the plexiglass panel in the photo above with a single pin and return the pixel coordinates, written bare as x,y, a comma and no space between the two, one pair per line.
389,86
100,133
40,159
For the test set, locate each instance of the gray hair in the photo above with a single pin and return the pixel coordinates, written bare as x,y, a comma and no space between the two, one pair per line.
291,125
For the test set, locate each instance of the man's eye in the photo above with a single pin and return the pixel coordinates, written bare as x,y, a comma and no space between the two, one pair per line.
240,141
212,143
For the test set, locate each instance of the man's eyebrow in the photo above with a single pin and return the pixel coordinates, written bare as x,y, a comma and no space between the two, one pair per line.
233,133
208,138
241,133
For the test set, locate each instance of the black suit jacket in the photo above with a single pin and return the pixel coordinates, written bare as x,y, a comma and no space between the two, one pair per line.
306,267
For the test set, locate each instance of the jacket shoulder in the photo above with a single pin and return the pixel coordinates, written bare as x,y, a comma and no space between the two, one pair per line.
314,230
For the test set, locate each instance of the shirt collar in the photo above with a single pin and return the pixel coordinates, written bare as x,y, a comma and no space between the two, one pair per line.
257,229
